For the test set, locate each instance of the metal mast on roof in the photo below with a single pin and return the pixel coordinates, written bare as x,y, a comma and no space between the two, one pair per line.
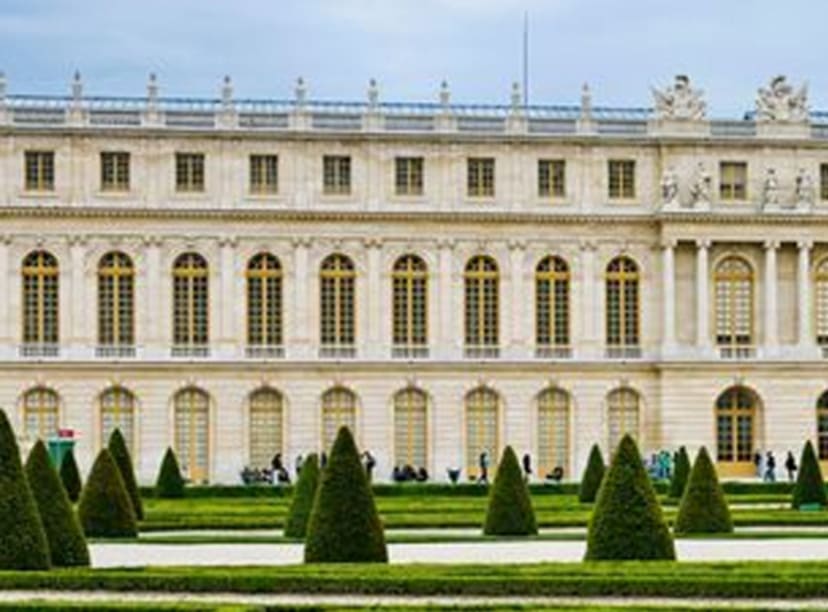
526,58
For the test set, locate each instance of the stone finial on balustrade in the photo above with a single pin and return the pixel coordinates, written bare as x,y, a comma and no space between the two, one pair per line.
516,121
227,92
585,120
3,86
516,98
373,94
152,90
301,92
444,121
77,88
445,96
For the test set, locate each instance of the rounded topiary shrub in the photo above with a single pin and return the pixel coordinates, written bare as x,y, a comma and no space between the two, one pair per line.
105,510
627,522
23,544
593,476
810,488
67,545
344,526
170,483
703,507
70,476
120,453
510,507
681,470
301,504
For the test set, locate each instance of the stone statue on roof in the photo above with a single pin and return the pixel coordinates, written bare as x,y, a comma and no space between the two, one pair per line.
680,101
780,102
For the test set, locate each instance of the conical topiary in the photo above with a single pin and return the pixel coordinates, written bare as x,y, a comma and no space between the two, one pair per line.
810,488
67,546
593,476
105,510
23,544
301,505
703,507
120,453
70,476
627,522
681,470
170,483
344,526
510,507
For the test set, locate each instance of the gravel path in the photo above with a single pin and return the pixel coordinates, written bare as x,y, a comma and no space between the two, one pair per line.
374,601
137,555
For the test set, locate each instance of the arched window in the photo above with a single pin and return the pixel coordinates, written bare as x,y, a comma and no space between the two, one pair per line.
481,280
338,410
822,426
622,309
410,428
733,281
266,417
118,412
40,302
482,429
192,433
116,301
821,301
264,303
337,309
553,431
40,413
736,415
410,306
624,408
551,306
190,303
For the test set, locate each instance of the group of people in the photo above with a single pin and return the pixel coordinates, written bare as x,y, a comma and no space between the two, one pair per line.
409,473
766,466
555,476
660,465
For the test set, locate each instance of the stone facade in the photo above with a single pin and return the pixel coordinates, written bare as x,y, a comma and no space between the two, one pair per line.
690,335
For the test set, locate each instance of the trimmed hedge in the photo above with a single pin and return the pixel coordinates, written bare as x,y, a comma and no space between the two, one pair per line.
170,482
510,509
67,546
344,526
120,453
105,510
627,522
810,487
703,506
593,476
301,505
681,471
23,544
70,476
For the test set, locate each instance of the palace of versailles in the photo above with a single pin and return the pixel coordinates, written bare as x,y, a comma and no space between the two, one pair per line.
236,278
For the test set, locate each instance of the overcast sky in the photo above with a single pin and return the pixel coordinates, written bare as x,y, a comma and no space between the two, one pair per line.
621,47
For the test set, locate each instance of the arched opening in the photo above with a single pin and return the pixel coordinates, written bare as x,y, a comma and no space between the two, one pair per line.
482,429
737,425
192,433
553,407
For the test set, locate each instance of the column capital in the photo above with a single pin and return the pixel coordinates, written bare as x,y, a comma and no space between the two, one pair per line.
516,244
703,243
372,243
152,241
588,244
228,241
301,241
76,240
669,243
771,245
446,243
806,244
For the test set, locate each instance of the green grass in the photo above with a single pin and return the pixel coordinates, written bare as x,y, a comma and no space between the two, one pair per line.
644,579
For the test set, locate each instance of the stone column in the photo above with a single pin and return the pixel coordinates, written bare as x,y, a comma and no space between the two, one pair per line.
227,316
518,311
5,314
449,338
78,307
588,310
803,278
702,297
299,344
151,331
669,284
771,314
370,335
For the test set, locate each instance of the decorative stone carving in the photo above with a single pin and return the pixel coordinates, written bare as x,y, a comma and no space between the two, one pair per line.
779,102
680,101
670,188
770,189
804,191
702,188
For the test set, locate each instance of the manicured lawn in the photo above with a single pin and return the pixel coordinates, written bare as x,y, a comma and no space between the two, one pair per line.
437,510
655,579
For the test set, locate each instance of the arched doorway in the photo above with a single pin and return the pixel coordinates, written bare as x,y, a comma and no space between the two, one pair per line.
737,427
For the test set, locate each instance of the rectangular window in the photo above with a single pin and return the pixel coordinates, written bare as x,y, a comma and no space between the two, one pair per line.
621,179
733,181
823,181
408,172
189,172
480,177
551,178
114,171
40,170
264,174
336,174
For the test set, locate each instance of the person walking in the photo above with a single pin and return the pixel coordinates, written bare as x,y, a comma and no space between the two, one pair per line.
790,465
770,467
298,464
370,462
483,464
527,466
757,463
